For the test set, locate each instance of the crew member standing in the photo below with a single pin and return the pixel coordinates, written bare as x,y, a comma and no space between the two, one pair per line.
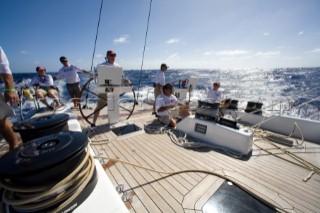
160,81
70,73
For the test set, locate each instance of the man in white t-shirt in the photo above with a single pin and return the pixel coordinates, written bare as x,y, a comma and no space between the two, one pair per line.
45,87
167,101
70,73
10,95
214,94
110,61
160,81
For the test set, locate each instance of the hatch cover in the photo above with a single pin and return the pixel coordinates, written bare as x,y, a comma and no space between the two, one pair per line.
125,129
231,198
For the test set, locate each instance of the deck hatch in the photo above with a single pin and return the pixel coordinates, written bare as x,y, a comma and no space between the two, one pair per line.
200,128
231,198
125,129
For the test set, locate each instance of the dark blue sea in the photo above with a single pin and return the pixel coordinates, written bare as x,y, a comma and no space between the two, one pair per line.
289,91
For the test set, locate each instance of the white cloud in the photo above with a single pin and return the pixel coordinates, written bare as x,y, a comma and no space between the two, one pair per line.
122,39
317,50
268,53
300,33
266,34
208,53
172,41
175,55
24,52
99,56
232,52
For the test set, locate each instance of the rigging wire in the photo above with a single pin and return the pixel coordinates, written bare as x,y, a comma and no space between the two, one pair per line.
144,47
94,51
95,41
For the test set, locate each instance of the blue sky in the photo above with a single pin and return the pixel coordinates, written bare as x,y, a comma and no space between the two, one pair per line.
185,34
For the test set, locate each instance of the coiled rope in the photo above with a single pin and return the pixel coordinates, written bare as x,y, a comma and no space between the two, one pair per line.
38,198
180,139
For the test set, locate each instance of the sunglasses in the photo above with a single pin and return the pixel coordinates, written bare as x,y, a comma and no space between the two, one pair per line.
215,84
64,61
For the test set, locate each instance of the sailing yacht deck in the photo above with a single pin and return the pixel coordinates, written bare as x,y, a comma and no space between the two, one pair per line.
191,176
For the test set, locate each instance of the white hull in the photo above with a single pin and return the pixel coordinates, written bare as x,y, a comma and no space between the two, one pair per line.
304,129
104,197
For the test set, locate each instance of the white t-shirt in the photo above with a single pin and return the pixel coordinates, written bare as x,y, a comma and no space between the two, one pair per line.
4,63
106,63
43,81
162,100
214,95
70,73
160,78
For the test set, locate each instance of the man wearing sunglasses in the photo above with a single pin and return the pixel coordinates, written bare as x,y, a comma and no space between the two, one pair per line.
70,73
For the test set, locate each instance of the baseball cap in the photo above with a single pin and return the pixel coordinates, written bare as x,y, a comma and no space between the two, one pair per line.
168,86
164,65
63,58
38,68
111,52
216,83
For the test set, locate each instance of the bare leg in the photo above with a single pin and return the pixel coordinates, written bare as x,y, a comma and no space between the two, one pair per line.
43,99
8,134
51,94
173,123
77,98
95,117
102,101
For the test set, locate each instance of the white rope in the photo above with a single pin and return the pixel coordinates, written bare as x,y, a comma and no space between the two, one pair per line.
182,141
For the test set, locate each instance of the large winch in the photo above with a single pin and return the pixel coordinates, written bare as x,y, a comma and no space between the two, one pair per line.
54,173
41,126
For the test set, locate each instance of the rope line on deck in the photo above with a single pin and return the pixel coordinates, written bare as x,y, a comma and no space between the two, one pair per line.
301,162
223,176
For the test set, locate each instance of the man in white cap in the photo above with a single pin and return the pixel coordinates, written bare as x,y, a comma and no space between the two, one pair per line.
160,81
45,85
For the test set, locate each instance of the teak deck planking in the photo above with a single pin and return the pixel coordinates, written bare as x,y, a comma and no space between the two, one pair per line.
273,179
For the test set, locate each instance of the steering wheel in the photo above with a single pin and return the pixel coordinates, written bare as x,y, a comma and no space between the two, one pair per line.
89,102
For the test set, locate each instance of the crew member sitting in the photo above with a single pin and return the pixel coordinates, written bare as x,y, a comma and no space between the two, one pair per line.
214,94
167,101
45,85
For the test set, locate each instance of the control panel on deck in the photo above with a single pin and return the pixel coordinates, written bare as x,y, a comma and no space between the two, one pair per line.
109,76
210,111
191,83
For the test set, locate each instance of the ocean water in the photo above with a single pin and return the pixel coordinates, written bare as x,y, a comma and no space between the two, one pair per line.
289,91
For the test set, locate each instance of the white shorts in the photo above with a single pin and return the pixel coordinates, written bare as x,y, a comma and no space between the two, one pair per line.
5,109
164,119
